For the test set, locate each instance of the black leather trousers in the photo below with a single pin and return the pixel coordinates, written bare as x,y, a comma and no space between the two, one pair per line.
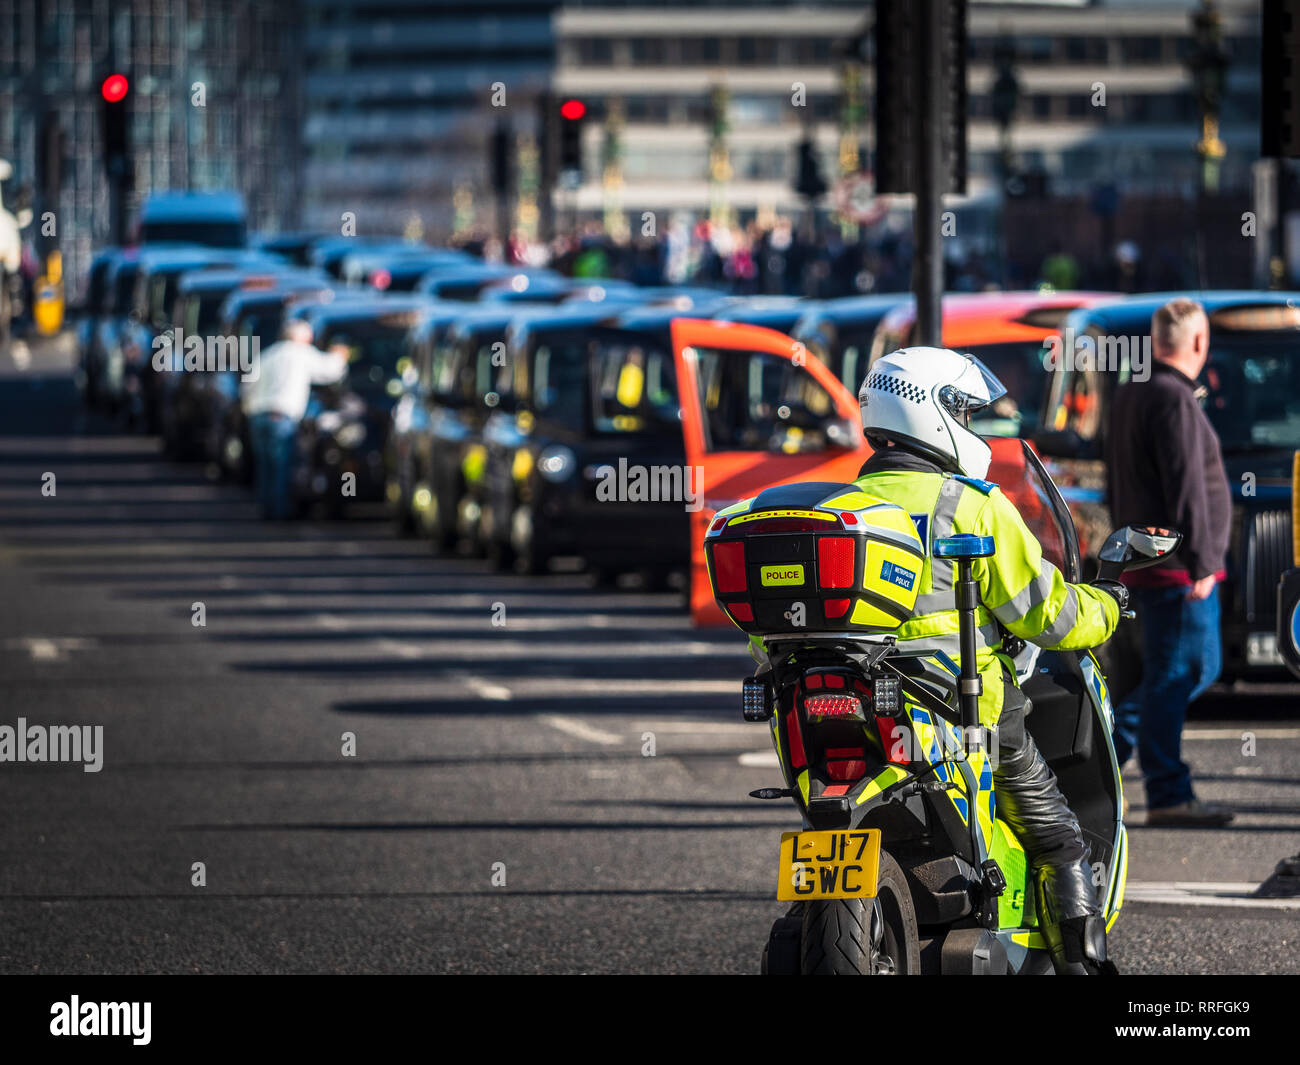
1030,802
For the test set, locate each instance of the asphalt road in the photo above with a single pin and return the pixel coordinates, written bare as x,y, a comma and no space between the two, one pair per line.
561,792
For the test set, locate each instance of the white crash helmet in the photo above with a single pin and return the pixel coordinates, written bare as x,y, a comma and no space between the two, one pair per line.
922,398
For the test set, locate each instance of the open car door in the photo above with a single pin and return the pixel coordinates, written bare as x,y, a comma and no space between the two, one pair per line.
757,411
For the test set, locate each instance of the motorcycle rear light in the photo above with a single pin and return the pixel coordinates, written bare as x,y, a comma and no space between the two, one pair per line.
729,568
832,705
849,518
837,608
741,611
835,557
846,763
718,523
834,680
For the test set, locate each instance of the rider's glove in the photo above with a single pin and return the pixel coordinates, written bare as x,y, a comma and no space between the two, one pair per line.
1114,588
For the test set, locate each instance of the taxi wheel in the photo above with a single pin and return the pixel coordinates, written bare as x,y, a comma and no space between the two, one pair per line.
501,556
864,937
528,558
403,518
656,579
442,533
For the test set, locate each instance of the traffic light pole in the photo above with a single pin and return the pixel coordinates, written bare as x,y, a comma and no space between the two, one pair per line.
930,83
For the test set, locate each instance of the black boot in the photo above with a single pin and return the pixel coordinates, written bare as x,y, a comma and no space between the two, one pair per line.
1077,942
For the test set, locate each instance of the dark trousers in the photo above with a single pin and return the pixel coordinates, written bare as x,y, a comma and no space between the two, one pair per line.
274,438
1031,803
1181,658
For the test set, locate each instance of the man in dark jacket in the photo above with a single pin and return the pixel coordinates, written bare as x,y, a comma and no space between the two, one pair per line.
1165,469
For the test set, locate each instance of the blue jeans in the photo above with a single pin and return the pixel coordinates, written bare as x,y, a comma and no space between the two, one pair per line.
274,441
1181,657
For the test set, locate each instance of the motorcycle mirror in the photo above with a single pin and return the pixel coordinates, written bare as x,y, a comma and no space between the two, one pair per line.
1137,546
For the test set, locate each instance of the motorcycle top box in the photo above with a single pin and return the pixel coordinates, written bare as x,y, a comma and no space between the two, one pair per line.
814,556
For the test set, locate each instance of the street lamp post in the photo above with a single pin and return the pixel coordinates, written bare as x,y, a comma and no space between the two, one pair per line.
1005,100
1208,63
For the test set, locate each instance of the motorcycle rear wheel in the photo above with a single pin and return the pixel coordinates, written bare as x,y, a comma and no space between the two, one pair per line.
863,937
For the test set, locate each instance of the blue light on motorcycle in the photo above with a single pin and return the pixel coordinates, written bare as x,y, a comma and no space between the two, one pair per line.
963,545
755,699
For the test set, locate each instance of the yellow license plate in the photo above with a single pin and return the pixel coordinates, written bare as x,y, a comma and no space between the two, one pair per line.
841,864
774,576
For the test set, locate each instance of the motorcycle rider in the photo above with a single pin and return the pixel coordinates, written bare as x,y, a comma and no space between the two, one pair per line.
916,406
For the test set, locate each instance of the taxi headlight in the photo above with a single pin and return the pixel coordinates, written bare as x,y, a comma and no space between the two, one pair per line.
350,435
556,463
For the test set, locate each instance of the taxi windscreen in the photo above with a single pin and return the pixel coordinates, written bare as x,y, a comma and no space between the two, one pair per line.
1021,368
1253,391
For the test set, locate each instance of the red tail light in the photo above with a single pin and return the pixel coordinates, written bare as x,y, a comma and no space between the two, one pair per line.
729,567
741,611
837,608
835,557
831,705
846,763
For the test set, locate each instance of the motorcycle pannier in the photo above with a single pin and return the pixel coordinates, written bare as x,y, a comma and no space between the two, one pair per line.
814,557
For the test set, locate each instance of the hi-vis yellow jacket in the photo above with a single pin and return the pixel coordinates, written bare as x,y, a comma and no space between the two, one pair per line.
1024,592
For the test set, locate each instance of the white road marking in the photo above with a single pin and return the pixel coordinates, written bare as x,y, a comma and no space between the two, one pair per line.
50,649
1238,733
496,692
760,760
1197,893
712,728
583,732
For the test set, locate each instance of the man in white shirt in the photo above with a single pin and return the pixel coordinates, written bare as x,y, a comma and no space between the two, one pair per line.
274,403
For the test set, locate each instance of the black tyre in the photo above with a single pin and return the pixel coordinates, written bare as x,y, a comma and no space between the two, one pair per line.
781,952
656,579
439,526
863,937
399,485
500,556
529,557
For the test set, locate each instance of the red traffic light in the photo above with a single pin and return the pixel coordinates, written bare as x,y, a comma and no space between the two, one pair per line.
115,88
573,110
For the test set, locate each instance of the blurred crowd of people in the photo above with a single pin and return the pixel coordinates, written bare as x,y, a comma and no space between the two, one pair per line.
782,258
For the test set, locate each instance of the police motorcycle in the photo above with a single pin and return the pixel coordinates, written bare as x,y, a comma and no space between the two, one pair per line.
902,865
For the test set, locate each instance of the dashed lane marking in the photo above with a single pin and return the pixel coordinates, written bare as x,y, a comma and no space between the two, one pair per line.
1196,893
574,727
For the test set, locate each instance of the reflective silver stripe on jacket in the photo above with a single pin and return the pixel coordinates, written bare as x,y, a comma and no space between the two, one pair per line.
986,636
1059,629
1036,591
945,510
